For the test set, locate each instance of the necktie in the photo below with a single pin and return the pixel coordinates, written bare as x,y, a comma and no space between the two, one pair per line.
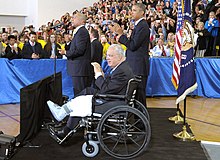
32,44
163,52
111,72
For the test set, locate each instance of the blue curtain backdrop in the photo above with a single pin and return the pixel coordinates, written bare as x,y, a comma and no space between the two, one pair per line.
16,74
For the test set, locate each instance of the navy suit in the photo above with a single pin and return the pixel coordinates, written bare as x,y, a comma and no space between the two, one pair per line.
116,83
79,60
96,51
137,54
28,50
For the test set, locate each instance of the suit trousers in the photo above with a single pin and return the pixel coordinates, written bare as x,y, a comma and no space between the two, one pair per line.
141,91
80,83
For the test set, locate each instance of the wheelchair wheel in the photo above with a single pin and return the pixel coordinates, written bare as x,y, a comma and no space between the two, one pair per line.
119,133
138,105
91,149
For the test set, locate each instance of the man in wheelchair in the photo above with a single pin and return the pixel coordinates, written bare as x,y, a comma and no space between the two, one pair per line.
114,83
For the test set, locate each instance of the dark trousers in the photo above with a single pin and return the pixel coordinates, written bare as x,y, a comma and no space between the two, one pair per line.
141,91
72,122
80,83
211,48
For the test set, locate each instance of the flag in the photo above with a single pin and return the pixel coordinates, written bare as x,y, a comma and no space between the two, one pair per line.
183,77
177,46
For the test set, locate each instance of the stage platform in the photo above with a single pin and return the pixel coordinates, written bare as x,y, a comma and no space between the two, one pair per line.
163,146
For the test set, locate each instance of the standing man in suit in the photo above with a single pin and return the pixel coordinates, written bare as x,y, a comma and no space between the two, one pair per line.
32,49
137,47
96,46
116,83
79,55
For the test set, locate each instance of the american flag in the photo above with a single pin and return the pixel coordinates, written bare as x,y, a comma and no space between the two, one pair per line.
178,44
184,76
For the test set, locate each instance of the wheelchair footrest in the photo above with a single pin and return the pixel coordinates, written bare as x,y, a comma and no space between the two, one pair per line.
60,140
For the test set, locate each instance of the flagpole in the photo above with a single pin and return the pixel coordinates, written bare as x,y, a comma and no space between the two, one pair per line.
184,77
184,135
177,119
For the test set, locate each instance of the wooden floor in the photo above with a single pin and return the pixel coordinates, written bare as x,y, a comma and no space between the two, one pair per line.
203,115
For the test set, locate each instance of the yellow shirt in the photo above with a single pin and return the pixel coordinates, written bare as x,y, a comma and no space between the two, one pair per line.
4,45
124,47
21,45
42,42
62,46
105,48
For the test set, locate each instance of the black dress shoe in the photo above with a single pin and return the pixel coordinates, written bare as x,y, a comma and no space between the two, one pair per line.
61,134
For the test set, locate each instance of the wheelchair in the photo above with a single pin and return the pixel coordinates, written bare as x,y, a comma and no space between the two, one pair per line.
121,127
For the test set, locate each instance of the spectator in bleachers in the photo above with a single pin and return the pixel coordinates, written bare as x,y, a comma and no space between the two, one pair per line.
60,40
174,11
2,49
170,25
5,39
9,30
67,43
167,9
198,19
218,37
22,40
160,49
199,12
12,51
105,45
32,49
67,39
43,38
202,40
52,48
102,13
212,25
171,42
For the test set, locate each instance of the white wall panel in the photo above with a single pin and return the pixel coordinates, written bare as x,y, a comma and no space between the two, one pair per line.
37,12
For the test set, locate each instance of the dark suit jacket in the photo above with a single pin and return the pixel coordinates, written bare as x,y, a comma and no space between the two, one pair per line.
96,51
48,54
67,46
12,54
116,83
79,54
202,41
137,48
28,50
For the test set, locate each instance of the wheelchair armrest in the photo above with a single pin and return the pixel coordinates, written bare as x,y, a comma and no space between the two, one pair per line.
110,96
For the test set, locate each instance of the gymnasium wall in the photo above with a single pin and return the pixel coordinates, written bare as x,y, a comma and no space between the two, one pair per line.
37,12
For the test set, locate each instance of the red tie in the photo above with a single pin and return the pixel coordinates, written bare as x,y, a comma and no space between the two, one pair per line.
163,52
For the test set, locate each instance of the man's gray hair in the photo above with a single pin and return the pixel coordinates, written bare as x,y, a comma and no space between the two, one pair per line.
118,49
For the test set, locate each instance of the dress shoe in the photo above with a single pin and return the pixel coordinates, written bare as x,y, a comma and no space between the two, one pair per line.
62,133
58,112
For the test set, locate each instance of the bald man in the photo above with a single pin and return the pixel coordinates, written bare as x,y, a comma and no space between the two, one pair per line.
79,55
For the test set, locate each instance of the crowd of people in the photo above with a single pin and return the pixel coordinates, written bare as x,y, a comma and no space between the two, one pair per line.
161,17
